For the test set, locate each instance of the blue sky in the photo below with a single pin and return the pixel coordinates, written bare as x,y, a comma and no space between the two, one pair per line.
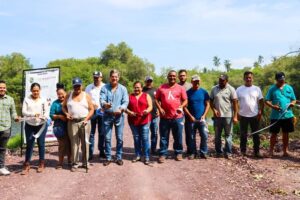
168,33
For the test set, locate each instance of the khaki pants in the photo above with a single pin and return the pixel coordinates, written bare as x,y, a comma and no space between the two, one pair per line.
76,134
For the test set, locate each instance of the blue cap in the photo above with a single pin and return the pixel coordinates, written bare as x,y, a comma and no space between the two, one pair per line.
76,81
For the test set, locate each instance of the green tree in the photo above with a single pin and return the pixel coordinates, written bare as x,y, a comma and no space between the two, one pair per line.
216,61
227,65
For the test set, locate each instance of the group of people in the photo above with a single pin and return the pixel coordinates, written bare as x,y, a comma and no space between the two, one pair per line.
172,107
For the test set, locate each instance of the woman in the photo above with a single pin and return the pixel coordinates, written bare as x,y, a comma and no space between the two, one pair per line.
35,110
139,117
79,109
60,126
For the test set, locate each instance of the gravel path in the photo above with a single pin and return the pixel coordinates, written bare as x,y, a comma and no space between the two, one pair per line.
213,178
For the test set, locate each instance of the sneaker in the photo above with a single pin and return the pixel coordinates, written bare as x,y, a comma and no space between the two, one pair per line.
59,166
191,157
102,155
202,155
228,156
161,159
73,169
136,159
106,162
147,162
4,171
178,157
119,162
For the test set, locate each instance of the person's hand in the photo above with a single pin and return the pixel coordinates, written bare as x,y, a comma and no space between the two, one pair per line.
132,114
235,120
107,105
192,119
118,112
216,113
68,116
291,105
145,112
37,115
84,123
17,119
162,112
259,115
63,118
276,107
202,118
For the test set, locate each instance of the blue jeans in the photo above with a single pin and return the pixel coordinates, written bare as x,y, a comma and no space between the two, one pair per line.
108,122
192,128
165,126
30,140
221,123
141,140
96,121
153,129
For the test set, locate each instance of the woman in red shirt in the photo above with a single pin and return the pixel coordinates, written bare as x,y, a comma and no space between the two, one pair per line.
139,117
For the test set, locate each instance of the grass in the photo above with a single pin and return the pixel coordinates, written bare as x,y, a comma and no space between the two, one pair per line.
14,142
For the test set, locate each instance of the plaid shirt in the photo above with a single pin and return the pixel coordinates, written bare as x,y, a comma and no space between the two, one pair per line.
7,112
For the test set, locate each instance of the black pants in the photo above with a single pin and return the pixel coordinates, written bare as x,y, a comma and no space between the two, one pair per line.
254,124
4,137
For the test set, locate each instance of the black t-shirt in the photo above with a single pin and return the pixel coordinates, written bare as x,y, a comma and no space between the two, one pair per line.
151,92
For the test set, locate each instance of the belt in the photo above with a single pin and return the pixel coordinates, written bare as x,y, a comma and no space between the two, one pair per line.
78,119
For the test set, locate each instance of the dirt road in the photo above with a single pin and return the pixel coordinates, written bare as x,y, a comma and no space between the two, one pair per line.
213,178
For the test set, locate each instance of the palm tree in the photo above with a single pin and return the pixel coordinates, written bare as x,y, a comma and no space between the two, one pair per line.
216,61
227,65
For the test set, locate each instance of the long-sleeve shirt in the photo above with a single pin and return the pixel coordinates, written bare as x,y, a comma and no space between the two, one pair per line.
7,112
32,107
56,109
118,99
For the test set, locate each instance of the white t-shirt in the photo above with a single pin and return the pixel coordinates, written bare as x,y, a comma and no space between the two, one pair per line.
94,92
248,100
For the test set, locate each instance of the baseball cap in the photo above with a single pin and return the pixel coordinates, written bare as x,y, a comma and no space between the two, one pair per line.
76,81
223,77
148,78
195,78
279,76
97,74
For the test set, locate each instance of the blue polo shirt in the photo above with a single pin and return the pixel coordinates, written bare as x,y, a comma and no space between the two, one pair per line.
282,98
196,102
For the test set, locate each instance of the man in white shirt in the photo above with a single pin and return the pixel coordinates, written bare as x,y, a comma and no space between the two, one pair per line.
251,106
93,90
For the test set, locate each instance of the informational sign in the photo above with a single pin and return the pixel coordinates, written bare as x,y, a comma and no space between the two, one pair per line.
47,78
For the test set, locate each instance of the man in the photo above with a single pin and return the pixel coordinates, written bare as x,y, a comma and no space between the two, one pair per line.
7,112
170,100
114,100
94,91
148,88
251,106
281,97
79,109
223,102
182,76
196,111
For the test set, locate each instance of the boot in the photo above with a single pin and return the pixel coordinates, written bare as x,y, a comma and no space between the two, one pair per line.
26,168
41,166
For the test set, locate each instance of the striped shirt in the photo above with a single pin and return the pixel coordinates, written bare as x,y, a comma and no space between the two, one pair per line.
7,112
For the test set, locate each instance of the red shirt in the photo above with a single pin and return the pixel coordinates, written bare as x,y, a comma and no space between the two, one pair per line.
138,106
171,98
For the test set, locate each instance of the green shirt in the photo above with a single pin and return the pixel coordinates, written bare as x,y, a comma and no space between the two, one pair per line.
7,112
282,98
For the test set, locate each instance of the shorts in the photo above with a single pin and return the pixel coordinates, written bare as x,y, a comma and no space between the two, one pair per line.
286,125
